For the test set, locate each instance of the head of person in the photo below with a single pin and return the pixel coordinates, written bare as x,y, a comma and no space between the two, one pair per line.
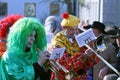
70,24
52,25
26,33
6,23
98,28
113,31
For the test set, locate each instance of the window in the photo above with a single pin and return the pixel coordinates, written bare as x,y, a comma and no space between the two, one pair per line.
3,8
30,9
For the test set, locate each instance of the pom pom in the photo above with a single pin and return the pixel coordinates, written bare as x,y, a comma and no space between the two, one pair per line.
65,15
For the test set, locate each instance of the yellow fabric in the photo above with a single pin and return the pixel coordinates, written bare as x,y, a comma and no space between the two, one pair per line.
61,40
71,21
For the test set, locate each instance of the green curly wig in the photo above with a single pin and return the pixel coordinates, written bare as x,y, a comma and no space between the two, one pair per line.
19,33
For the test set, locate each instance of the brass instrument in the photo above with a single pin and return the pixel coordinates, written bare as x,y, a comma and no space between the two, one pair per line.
54,66
101,44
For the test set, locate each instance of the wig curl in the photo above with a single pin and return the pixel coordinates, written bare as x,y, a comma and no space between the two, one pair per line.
6,23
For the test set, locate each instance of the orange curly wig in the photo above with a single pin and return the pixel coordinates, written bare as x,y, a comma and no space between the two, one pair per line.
6,23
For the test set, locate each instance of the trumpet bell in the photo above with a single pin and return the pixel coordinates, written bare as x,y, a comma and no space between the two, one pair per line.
101,43
56,67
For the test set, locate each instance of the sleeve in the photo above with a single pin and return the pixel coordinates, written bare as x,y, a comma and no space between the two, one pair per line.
84,64
39,72
117,66
90,62
13,71
112,59
74,63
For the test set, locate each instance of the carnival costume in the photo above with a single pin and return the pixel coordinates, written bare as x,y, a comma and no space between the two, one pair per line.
72,58
16,62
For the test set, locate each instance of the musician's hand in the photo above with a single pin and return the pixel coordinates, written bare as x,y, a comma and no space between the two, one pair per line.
103,72
88,53
43,57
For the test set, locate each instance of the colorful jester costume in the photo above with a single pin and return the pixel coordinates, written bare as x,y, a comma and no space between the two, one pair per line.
73,58
5,24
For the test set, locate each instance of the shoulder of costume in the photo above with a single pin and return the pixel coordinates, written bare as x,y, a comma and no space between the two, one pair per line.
58,39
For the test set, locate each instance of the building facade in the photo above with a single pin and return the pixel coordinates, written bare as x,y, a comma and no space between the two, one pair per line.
40,9
106,11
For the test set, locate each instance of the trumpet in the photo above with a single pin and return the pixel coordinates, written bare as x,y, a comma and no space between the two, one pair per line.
54,66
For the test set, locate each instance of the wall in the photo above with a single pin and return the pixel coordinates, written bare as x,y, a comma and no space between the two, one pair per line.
89,10
111,12
42,8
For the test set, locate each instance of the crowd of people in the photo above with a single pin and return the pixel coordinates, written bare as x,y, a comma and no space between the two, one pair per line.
26,46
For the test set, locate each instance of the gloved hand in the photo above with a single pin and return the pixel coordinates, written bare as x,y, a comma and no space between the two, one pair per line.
43,58
103,72
88,53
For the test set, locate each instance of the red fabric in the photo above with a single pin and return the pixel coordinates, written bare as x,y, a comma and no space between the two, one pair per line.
2,48
75,63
